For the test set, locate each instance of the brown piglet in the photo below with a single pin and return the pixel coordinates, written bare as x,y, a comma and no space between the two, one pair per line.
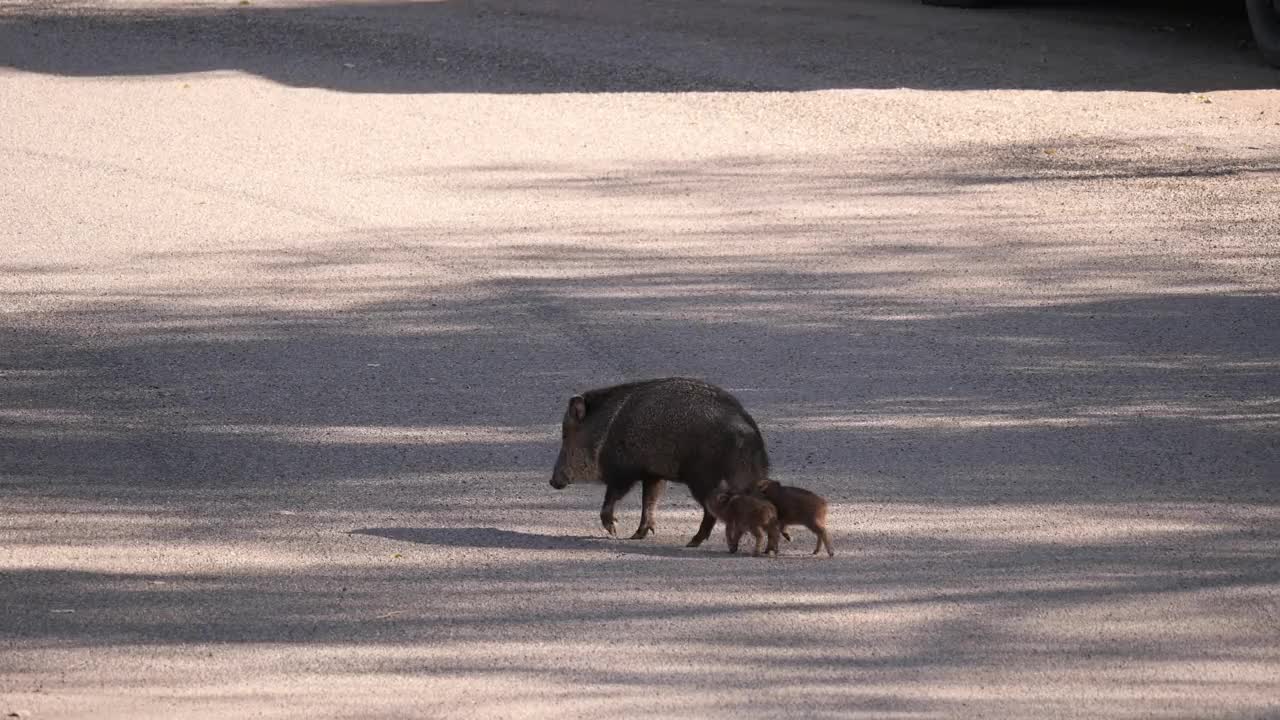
742,513
797,506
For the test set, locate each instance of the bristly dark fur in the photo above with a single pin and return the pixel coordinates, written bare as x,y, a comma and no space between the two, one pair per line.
656,431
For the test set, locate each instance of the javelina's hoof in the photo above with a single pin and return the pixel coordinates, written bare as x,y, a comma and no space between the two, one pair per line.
611,528
642,533
694,542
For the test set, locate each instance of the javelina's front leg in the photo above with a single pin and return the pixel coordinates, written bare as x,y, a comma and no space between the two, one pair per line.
611,498
650,491
704,530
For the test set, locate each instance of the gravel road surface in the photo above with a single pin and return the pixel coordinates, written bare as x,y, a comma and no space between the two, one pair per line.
292,296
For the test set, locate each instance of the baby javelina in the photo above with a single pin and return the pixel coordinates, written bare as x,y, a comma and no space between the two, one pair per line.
742,513
797,506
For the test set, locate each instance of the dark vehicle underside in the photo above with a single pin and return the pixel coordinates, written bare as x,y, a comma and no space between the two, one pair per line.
1264,19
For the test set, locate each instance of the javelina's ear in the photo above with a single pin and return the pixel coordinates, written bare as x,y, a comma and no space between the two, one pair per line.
577,407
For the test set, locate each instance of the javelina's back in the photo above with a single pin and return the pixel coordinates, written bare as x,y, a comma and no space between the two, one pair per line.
682,429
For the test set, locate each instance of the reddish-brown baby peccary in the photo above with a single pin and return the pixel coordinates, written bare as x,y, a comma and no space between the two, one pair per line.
650,432
797,506
743,513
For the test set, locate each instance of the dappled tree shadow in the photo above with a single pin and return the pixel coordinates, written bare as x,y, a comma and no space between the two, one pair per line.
1156,397
947,607
1125,436
545,46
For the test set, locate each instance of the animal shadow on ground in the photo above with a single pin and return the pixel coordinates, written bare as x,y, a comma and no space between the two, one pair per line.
497,538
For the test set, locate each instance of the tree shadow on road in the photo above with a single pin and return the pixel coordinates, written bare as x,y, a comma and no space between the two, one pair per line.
1078,481
955,609
670,46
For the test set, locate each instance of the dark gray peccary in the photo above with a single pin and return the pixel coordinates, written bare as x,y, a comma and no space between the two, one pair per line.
670,429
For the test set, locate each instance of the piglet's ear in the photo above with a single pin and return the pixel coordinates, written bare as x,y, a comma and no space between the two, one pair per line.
577,407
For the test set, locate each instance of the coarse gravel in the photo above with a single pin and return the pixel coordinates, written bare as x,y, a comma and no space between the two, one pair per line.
292,295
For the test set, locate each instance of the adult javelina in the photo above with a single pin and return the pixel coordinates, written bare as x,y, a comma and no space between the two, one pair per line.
649,432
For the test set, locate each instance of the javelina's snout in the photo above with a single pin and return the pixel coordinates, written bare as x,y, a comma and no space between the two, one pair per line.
576,459
559,479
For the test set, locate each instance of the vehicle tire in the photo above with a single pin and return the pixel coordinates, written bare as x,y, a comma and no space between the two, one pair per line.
961,3
1264,17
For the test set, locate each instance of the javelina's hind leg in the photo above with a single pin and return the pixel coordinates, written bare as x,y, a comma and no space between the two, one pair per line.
651,490
704,530
731,536
784,534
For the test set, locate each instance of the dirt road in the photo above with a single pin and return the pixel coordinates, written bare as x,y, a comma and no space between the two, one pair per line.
292,296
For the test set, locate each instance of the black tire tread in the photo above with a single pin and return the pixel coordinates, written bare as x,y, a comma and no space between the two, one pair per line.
1264,18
